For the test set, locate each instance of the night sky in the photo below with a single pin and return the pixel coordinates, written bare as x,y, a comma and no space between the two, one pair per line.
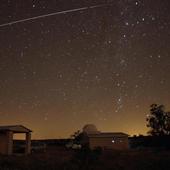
103,66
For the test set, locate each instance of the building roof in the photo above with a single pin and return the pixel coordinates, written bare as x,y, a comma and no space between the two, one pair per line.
105,135
15,129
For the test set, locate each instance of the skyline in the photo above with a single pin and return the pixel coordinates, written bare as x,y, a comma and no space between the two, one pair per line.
103,66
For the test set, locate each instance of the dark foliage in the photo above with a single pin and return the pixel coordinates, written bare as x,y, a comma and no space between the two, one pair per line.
158,121
155,142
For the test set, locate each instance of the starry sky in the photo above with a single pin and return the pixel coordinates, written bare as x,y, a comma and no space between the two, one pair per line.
103,65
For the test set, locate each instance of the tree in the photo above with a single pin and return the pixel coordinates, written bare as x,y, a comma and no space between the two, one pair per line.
76,134
80,138
158,121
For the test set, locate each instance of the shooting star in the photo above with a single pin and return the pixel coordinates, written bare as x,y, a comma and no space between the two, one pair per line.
52,14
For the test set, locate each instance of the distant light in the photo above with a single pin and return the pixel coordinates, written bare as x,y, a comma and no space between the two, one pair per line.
113,141
126,23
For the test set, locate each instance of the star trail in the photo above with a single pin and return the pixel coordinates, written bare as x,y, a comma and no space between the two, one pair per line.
51,14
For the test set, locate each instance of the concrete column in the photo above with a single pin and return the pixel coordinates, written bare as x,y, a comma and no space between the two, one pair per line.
9,143
28,143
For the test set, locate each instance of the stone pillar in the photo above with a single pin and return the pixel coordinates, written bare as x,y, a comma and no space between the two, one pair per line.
28,143
9,143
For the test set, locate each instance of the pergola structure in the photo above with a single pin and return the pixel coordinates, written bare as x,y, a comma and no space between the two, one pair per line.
6,138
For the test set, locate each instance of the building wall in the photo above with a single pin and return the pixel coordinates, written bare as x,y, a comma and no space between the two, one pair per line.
109,142
6,143
3,143
10,142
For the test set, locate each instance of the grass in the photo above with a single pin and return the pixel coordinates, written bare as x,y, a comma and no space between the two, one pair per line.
61,159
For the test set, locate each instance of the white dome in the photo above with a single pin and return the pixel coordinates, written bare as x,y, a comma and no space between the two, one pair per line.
90,129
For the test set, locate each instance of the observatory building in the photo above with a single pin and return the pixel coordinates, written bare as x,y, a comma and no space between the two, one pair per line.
105,140
90,129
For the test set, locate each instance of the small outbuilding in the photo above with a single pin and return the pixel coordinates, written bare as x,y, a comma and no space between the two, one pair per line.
6,138
117,141
105,140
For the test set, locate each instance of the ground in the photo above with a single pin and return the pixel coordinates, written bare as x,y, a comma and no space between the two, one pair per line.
58,158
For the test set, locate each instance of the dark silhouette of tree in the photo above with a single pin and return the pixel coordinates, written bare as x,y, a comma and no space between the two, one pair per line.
76,134
80,137
158,121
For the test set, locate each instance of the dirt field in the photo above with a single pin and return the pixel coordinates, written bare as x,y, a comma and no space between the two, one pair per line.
57,158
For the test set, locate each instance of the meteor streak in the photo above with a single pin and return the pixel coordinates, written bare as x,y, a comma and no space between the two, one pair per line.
52,14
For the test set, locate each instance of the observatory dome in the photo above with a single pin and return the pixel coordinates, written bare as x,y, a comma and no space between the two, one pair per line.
90,129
